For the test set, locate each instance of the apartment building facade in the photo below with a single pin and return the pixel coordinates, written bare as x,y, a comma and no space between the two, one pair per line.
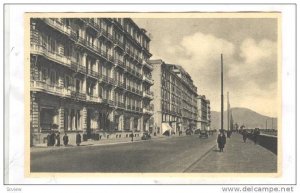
175,104
89,75
203,115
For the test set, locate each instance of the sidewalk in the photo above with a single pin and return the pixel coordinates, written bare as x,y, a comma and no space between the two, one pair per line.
238,157
101,142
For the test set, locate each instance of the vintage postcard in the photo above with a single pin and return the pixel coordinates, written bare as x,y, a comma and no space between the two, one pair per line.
190,95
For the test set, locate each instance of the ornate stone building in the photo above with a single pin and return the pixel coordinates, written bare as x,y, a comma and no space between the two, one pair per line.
175,94
89,75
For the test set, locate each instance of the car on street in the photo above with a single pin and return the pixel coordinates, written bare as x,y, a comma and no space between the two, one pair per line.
197,131
188,132
203,134
146,136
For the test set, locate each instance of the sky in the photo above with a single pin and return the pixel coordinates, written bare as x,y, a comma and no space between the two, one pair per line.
249,48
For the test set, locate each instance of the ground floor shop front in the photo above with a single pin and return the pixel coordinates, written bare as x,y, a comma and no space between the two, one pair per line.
49,113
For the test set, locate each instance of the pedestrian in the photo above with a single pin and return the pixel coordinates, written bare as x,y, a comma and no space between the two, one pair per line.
255,135
78,139
244,133
48,140
131,136
58,139
221,140
66,139
52,138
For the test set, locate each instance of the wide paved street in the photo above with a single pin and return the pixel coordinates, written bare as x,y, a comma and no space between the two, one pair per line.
168,154
238,157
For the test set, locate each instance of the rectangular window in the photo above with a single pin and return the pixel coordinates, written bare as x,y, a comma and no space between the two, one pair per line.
44,74
52,77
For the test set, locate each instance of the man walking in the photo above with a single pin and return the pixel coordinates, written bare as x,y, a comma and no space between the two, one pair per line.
78,139
66,139
221,140
58,139
244,133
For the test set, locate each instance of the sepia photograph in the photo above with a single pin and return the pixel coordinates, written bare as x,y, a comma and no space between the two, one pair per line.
153,93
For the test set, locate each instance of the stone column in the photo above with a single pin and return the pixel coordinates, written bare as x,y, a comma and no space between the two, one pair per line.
111,120
34,113
131,123
84,118
83,59
97,66
61,113
121,122
140,124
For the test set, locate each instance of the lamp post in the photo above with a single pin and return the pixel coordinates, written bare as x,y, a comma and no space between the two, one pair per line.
222,96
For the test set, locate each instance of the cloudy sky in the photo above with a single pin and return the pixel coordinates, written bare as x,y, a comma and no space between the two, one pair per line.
249,48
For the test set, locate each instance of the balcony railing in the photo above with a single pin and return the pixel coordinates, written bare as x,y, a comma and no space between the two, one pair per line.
111,103
149,109
58,25
93,73
81,69
121,105
121,84
93,98
110,58
103,53
44,86
78,95
147,79
148,94
56,57
148,65
119,63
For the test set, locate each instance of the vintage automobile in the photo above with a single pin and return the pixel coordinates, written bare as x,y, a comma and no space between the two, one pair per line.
146,136
188,132
203,134
197,131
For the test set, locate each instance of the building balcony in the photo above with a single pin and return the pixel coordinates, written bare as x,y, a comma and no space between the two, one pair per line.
81,69
110,58
120,63
46,87
148,110
111,103
58,26
92,98
118,43
121,84
148,65
104,33
107,79
140,60
78,95
121,105
148,79
93,73
56,57
103,54
148,94
91,23
74,64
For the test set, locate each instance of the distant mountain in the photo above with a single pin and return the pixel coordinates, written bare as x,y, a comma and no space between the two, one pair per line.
243,116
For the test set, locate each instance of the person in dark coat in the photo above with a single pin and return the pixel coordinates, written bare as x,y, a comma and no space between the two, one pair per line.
244,133
66,139
78,139
52,138
255,135
221,140
48,140
58,139
131,135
